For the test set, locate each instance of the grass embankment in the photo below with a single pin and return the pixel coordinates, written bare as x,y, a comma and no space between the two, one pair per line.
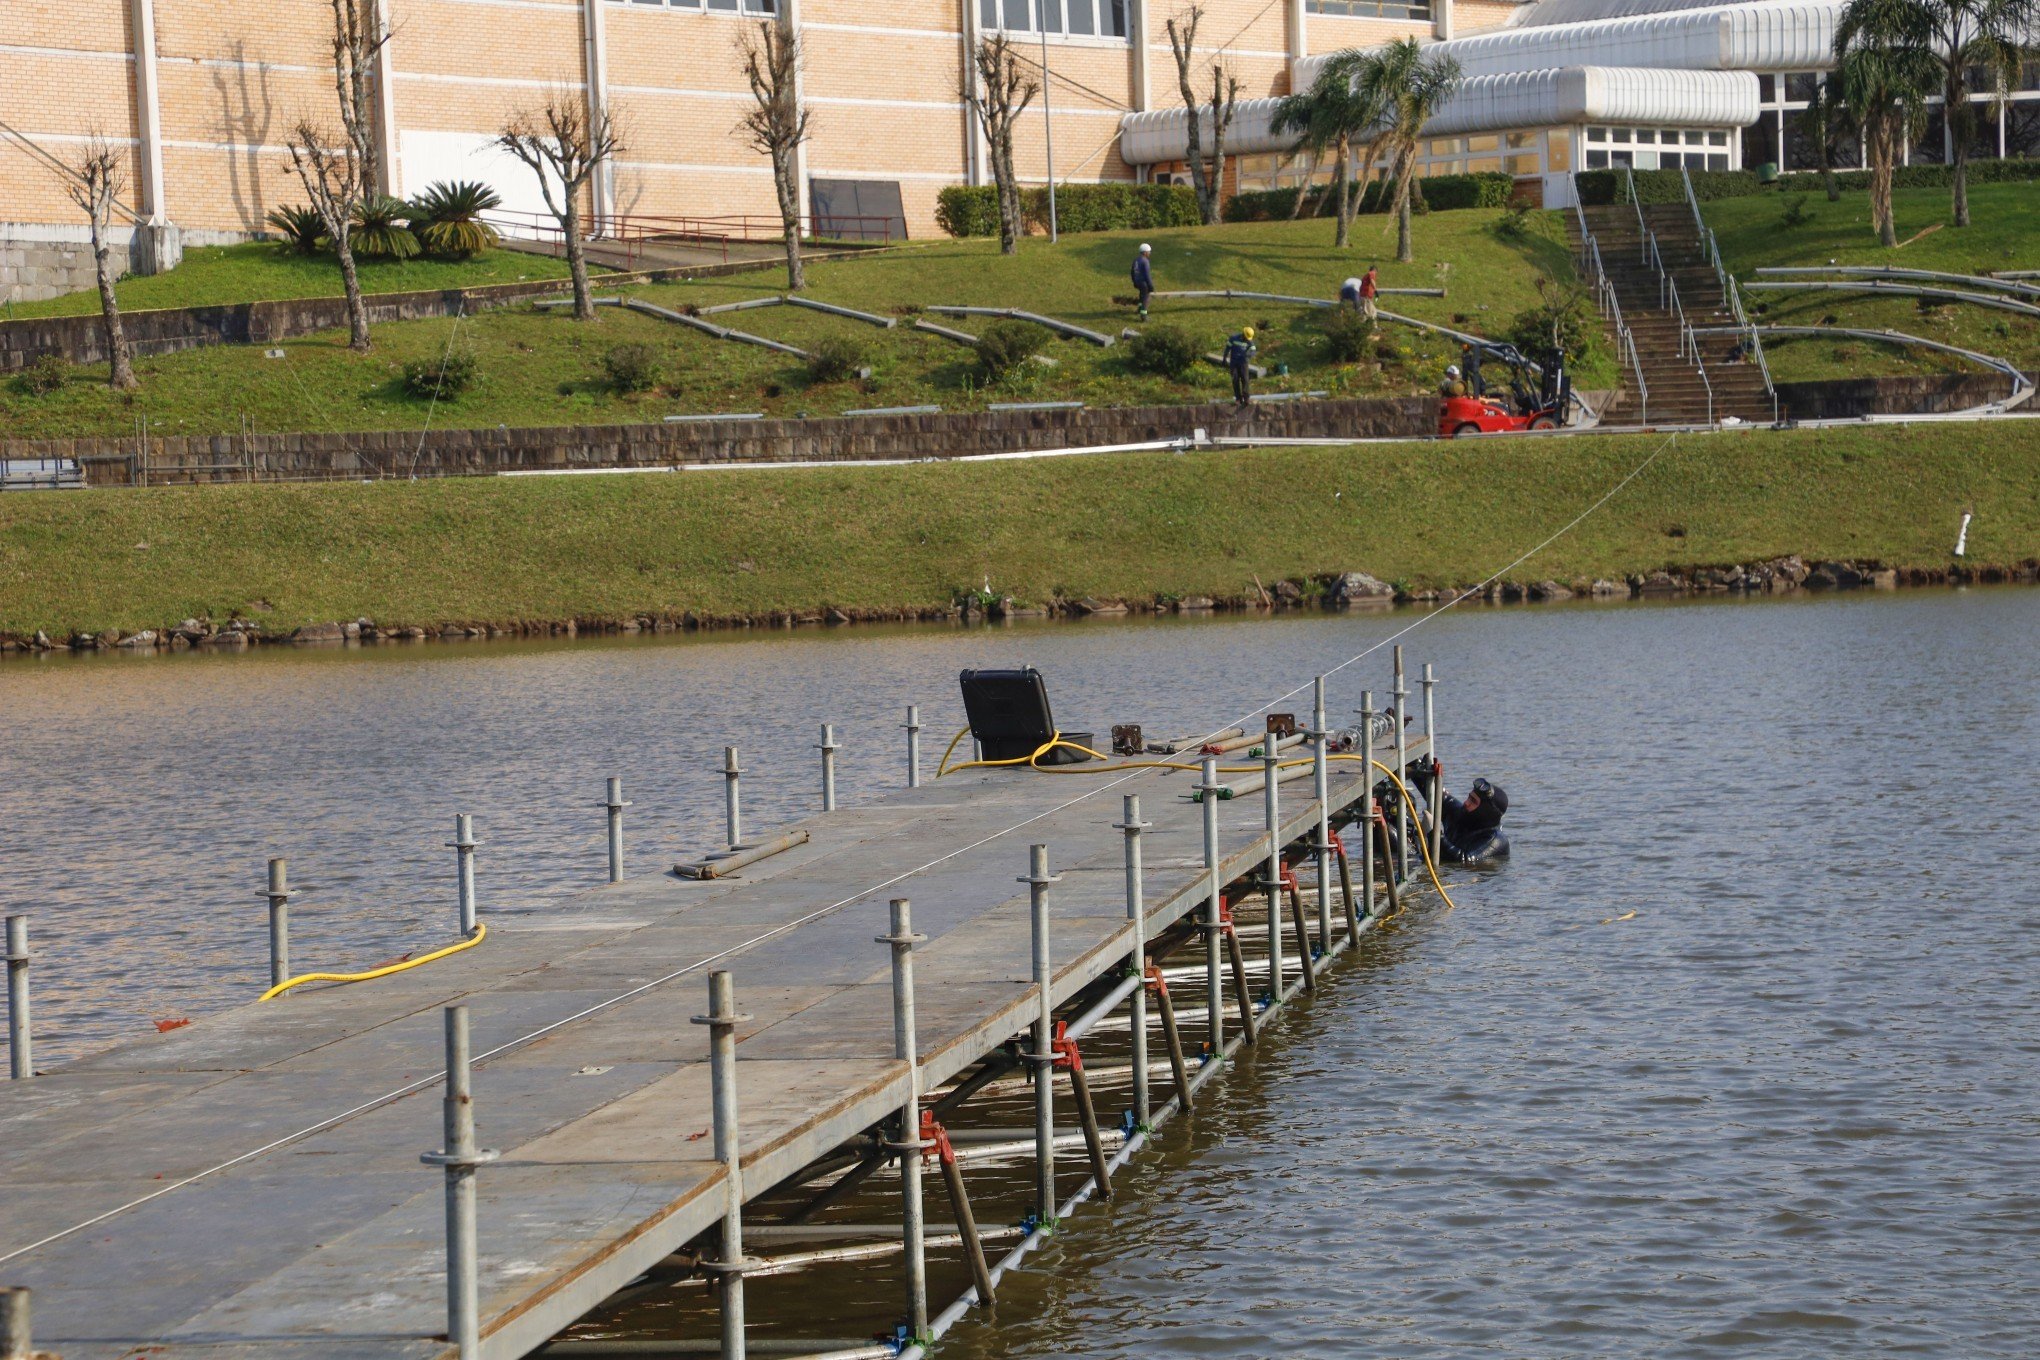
1136,526
545,369
265,271
2002,235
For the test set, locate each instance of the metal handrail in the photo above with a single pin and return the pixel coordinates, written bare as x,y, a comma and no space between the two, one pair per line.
1604,295
1731,292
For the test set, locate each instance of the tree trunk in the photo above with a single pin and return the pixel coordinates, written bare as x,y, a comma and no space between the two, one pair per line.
1343,234
1296,206
1405,249
1961,179
122,378
577,259
1009,192
789,216
1881,154
1955,109
357,309
1214,203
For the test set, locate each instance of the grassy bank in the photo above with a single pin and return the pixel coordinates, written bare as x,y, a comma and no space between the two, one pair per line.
543,368
1129,526
1753,233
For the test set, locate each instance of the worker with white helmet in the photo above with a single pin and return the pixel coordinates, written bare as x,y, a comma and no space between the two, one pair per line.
1143,276
1452,386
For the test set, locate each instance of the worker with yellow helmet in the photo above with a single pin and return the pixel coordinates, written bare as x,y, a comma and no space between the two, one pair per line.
1239,361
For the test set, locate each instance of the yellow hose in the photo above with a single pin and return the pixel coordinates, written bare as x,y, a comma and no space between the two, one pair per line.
942,765
1423,841
481,933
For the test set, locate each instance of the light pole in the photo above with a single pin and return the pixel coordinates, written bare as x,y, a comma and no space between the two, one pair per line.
1047,123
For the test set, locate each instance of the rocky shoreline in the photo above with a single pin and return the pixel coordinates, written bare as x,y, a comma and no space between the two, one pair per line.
1347,590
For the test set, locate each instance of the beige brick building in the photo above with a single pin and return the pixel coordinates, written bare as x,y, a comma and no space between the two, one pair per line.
200,94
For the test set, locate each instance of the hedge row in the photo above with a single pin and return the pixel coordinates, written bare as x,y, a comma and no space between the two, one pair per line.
1439,193
1665,186
973,210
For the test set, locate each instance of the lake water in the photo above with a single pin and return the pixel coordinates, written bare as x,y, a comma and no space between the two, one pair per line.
1784,1108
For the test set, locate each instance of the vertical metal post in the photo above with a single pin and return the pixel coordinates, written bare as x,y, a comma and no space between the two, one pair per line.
459,1157
828,748
1136,915
464,844
1367,805
615,803
732,796
1271,804
1214,915
279,922
20,1037
1321,780
15,1343
1431,794
912,1223
1037,881
913,746
722,1021
1401,867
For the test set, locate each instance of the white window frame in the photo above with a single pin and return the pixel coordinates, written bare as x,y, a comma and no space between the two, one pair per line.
992,16
728,9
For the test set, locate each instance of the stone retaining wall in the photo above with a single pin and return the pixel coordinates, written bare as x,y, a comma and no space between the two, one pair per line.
447,453
1846,398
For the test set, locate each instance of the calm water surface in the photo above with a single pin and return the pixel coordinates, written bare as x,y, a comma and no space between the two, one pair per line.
1786,1108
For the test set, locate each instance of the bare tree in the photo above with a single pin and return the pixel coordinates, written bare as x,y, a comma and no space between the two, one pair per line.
94,184
1206,182
777,124
341,173
1004,90
563,147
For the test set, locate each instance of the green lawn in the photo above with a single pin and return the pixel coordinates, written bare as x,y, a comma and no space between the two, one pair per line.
264,271
2003,235
506,550
540,368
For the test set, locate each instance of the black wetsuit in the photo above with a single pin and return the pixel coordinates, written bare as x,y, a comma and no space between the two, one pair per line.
1475,836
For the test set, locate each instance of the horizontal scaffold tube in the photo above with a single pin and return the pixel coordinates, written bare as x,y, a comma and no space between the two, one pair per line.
741,859
1098,338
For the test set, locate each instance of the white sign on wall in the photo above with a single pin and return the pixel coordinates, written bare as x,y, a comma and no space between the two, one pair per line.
426,158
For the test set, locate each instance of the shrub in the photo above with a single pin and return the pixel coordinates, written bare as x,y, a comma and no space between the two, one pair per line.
1273,205
2009,171
1005,345
1487,189
836,358
442,378
46,375
1349,333
1665,186
1514,225
632,368
304,231
1439,193
447,219
1563,315
1169,351
379,230
1795,214
973,210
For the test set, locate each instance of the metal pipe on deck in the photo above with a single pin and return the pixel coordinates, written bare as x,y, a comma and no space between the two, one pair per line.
1214,911
15,1343
279,896
20,1035
1430,683
733,812
742,859
463,845
828,748
459,1157
615,804
1271,804
722,1021
1043,1057
913,746
1136,915
913,1229
1367,803
1321,787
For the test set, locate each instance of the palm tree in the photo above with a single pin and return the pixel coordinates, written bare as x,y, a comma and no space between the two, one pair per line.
1302,113
1884,73
1823,121
1960,37
1332,115
1408,88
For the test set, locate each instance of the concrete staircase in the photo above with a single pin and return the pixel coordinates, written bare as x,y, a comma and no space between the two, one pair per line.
1679,388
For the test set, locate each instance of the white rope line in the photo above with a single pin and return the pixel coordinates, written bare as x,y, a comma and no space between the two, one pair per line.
411,1088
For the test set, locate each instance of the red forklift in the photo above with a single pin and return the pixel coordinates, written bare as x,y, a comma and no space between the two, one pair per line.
1536,397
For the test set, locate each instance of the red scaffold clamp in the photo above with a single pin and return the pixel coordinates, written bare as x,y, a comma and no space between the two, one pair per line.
935,1140
1065,1048
1289,879
1225,921
1154,977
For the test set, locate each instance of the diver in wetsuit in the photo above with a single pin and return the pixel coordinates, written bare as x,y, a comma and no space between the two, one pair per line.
1473,826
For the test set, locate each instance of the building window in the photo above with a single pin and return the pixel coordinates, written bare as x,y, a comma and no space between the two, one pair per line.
1075,18
1596,159
751,7
1368,9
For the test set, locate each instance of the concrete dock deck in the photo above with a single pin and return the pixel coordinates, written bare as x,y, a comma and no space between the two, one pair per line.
327,1238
